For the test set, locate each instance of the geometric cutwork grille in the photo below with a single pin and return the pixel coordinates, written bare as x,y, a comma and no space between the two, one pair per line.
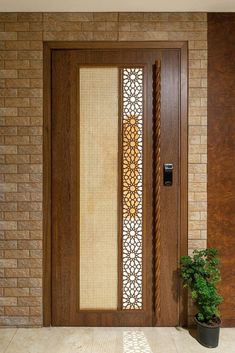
132,174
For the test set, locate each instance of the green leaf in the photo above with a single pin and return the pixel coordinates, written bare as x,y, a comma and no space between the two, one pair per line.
200,272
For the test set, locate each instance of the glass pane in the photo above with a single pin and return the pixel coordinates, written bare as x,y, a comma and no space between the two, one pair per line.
132,121
98,187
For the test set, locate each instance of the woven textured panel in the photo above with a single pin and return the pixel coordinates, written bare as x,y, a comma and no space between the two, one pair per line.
98,187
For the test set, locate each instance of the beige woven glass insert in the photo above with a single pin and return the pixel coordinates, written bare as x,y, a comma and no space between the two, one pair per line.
98,187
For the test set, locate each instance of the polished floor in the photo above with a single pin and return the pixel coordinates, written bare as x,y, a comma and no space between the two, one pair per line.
107,340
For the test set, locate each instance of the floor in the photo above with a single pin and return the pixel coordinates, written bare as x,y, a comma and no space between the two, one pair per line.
107,340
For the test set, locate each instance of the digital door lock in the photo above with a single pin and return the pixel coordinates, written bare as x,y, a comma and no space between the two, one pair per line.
168,174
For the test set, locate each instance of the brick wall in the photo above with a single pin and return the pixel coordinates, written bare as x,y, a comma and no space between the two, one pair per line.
21,88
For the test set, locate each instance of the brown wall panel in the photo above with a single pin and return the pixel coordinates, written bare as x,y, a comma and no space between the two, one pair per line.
221,152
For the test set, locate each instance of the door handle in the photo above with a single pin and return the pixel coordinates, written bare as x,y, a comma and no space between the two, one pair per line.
168,174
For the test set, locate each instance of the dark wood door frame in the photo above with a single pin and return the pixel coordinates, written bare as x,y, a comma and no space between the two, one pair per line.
183,177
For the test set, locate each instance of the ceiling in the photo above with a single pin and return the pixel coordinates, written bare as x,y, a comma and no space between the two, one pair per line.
117,5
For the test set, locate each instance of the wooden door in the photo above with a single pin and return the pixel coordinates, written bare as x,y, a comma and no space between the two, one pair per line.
115,226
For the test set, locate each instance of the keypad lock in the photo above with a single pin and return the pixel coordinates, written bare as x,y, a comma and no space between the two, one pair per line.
168,174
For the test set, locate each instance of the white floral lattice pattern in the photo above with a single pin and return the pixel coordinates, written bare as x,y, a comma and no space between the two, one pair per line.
132,134
135,342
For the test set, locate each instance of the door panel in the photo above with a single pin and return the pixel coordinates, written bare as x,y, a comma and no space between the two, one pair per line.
169,198
98,189
102,187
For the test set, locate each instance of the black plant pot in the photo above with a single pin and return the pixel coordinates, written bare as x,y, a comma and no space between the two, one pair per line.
208,335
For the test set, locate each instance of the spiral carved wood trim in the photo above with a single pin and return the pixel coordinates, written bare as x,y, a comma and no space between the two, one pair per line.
157,186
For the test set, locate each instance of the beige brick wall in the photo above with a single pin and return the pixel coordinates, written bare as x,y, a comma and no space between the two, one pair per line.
21,87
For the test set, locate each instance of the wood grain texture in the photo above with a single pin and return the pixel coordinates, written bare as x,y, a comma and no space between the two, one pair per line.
175,239
47,188
170,195
221,152
183,183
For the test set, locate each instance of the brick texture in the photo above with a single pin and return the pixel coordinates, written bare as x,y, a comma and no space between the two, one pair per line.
21,88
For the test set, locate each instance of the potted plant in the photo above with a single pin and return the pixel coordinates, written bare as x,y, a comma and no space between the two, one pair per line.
200,272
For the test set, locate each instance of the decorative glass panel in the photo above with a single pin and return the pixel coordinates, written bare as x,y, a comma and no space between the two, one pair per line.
132,130
98,187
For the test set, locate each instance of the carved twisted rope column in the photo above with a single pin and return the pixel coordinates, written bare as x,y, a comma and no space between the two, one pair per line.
157,186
